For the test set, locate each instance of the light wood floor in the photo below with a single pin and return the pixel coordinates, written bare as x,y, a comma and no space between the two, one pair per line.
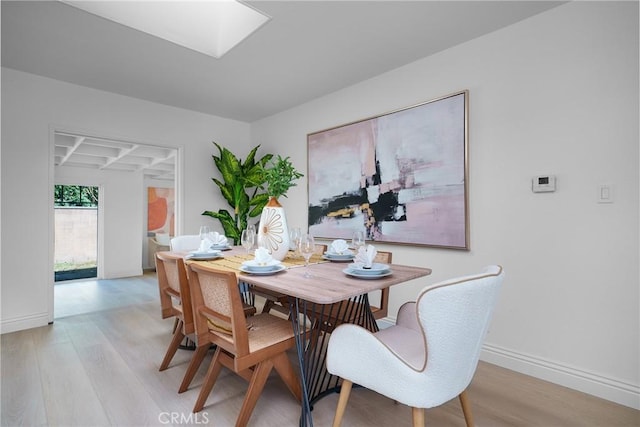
101,368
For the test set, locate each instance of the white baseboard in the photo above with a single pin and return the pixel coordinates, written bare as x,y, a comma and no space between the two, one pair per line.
576,379
24,322
596,385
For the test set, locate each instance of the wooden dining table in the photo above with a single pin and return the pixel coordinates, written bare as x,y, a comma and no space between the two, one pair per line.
318,304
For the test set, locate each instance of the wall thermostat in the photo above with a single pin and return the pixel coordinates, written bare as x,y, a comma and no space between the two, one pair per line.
543,184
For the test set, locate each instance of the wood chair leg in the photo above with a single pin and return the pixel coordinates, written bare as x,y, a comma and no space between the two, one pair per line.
209,380
466,408
192,369
418,417
178,336
258,380
345,391
288,374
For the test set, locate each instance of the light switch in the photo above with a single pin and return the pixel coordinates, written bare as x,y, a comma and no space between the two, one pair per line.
605,193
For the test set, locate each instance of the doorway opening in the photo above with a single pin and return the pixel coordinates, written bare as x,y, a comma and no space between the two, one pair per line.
76,232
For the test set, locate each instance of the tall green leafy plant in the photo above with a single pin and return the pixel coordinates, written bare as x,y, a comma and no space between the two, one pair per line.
240,185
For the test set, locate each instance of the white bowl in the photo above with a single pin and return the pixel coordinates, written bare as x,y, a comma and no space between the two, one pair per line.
376,268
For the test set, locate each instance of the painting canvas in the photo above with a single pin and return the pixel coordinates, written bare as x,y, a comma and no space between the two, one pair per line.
160,210
401,177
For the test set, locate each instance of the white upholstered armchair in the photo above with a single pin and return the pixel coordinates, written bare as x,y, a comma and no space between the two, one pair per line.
430,356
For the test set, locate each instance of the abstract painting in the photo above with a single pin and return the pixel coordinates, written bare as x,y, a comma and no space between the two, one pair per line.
401,177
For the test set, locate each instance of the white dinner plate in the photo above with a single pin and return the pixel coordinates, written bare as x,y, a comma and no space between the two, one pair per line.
278,269
221,247
334,256
204,256
352,273
337,258
376,268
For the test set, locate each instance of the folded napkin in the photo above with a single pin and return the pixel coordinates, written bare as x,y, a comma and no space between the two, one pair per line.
205,245
262,256
366,255
339,247
218,239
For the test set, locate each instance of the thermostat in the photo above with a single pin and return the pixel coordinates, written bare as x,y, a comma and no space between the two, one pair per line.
543,184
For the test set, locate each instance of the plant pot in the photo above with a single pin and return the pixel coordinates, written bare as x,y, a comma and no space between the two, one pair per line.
273,232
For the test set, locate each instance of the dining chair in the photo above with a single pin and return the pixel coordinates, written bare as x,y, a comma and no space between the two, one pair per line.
429,356
327,318
186,242
175,300
249,347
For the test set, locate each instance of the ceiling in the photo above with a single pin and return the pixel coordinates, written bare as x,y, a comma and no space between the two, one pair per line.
73,150
308,49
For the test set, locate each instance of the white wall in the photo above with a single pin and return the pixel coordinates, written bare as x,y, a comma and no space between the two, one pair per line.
32,107
554,94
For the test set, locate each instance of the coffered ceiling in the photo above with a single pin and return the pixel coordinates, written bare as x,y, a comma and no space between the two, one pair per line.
105,154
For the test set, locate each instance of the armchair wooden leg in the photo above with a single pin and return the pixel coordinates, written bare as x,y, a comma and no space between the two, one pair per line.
418,417
345,391
196,361
209,380
258,380
173,347
466,408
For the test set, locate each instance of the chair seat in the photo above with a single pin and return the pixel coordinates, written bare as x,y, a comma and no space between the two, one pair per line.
264,330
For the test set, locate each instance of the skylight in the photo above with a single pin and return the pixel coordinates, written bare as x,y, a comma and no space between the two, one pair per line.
206,26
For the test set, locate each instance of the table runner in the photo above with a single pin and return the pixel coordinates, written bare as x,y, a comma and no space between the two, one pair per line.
234,262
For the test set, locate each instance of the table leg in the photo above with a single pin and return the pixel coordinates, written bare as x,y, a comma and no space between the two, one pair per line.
312,326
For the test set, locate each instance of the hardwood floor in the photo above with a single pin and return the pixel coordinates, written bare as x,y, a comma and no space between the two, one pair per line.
101,368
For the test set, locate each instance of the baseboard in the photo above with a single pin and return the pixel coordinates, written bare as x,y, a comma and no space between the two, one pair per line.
586,382
24,322
122,274
596,385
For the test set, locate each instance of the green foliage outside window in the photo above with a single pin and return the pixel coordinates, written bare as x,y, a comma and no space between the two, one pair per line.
75,195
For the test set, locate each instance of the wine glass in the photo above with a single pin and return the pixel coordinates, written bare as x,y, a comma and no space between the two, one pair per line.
294,237
204,232
248,239
306,246
358,240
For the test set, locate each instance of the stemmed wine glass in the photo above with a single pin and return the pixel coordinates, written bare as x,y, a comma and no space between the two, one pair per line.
204,233
294,237
306,246
248,238
358,240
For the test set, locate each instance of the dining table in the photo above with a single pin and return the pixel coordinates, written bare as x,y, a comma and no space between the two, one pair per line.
329,295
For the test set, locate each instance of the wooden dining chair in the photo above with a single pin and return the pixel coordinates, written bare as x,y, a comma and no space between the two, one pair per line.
175,300
429,356
249,347
327,318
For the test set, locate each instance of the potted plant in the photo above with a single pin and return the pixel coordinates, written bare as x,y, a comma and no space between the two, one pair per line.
278,177
240,185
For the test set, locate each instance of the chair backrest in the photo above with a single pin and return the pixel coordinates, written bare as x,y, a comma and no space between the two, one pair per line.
455,316
217,307
381,309
173,284
187,242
